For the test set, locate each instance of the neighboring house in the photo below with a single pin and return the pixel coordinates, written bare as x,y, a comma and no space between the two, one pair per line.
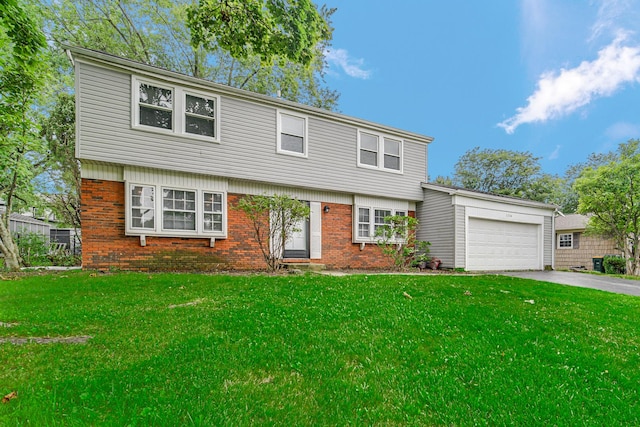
574,248
166,157
475,231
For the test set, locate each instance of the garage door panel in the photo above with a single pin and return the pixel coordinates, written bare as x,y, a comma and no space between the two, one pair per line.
500,245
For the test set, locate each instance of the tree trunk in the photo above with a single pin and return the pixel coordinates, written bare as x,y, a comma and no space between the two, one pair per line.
8,246
632,255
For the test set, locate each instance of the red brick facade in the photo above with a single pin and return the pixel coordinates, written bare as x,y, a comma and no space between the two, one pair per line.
105,245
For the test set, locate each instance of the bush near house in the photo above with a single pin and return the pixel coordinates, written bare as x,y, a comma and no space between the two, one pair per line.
614,264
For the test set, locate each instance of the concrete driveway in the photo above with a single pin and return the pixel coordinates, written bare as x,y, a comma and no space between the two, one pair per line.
594,281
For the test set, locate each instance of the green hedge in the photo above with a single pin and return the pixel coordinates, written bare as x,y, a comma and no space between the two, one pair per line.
614,264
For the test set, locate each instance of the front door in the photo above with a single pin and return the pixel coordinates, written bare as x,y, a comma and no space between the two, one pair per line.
297,246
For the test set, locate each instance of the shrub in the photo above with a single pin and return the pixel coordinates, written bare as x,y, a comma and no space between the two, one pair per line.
34,249
397,239
614,264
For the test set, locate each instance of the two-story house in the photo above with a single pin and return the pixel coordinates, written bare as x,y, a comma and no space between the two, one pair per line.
165,158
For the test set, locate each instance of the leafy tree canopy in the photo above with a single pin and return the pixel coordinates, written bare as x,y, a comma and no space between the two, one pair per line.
23,72
611,193
156,32
271,29
505,172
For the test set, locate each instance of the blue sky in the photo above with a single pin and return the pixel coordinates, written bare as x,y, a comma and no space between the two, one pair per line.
558,78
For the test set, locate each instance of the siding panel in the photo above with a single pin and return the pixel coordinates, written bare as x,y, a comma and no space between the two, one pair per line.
248,144
436,216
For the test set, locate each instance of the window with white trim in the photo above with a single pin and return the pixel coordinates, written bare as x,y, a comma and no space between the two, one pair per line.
183,212
565,241
369,220
368,149
392,158
212,209
178,209
378,219
161,107
155,105
364,223
292,134
379,152
200,115
142,204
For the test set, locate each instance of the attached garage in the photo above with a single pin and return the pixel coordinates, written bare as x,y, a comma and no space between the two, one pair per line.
485,232
500,245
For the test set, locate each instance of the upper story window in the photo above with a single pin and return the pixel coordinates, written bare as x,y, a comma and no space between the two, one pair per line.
379,152
292,134
160,107
156,106
368,149
200,115
565,241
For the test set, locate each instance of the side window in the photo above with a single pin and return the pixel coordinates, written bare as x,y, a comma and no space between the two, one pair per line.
292,134
392,154
155,106
212,209
379,152
368,149
565,241
363,223
200,115
142,207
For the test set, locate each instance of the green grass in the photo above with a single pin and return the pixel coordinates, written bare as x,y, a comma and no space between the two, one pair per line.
317,350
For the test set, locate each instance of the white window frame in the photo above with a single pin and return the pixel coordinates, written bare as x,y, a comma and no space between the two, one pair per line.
381,151
560,240
305,136
194,210
178,109
131,207
215,118
372,224
158,229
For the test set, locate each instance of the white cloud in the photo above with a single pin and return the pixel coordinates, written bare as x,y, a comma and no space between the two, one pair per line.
556,153
613,15
352,67
623,131
563,92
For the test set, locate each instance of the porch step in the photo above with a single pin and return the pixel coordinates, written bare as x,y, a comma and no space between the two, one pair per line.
303,266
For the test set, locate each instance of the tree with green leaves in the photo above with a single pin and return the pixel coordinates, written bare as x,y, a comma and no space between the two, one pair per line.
284,60
23,72
507,173
397,238
62,187
611,195
273,30
567,196
274,220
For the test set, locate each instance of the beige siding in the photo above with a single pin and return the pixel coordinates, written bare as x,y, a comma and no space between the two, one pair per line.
248,144
589,247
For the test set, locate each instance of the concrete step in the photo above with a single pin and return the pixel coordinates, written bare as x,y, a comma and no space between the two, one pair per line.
303,266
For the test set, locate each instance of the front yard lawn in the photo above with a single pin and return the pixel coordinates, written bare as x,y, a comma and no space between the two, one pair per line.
181,349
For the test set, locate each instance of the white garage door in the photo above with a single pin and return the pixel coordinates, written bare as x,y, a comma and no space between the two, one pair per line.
500,245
